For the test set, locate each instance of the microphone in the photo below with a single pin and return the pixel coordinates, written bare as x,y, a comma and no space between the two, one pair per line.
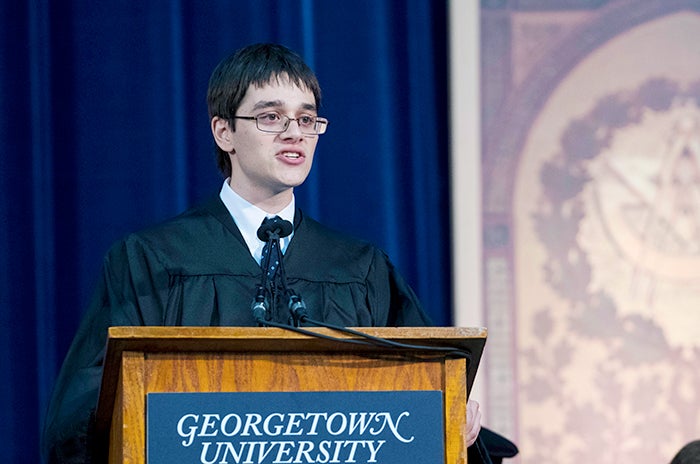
270,231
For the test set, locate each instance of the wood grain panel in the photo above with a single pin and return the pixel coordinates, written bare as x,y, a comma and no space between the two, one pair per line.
455,388
130,413
288,372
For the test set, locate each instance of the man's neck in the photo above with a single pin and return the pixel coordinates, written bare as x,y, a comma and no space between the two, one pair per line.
271,203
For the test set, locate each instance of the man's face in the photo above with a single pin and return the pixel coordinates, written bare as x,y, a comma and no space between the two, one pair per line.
264,165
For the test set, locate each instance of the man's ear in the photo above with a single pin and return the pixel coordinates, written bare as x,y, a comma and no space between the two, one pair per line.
222,134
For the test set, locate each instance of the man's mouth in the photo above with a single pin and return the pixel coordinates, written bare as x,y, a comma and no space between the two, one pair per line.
291,155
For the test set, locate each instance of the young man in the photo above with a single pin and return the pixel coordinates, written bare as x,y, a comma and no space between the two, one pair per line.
202,268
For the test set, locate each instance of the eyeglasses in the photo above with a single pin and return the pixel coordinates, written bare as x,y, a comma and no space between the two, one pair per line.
277,123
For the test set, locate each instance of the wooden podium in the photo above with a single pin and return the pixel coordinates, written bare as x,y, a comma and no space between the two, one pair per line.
141,360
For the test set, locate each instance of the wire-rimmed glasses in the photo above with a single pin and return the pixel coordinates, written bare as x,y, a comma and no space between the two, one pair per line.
277,123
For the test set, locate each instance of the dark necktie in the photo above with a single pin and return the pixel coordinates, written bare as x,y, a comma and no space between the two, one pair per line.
271,250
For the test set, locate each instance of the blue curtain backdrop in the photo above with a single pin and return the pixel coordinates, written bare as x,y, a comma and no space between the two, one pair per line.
104,130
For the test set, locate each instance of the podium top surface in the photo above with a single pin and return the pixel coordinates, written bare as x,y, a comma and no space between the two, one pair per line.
162,338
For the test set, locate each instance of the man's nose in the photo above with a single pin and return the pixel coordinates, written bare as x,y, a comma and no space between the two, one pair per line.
293,129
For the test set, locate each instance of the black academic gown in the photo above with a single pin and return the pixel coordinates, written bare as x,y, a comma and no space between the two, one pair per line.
196,270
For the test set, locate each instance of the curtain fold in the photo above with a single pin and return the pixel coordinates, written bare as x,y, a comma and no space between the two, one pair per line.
104,129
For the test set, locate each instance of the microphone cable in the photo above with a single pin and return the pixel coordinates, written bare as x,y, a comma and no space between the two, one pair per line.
298,309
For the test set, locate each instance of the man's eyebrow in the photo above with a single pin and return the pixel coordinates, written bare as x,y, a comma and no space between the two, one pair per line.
267,104
264,104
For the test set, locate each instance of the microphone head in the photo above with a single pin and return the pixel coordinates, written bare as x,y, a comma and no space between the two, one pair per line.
259,310
274,227
259,304
297,307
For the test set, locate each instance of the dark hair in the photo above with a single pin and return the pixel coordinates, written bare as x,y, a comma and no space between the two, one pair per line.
253,65
689,454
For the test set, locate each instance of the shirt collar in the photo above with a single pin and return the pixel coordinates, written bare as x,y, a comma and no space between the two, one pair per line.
248,218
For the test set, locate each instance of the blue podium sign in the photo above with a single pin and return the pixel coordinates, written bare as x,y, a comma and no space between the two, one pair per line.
388,427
